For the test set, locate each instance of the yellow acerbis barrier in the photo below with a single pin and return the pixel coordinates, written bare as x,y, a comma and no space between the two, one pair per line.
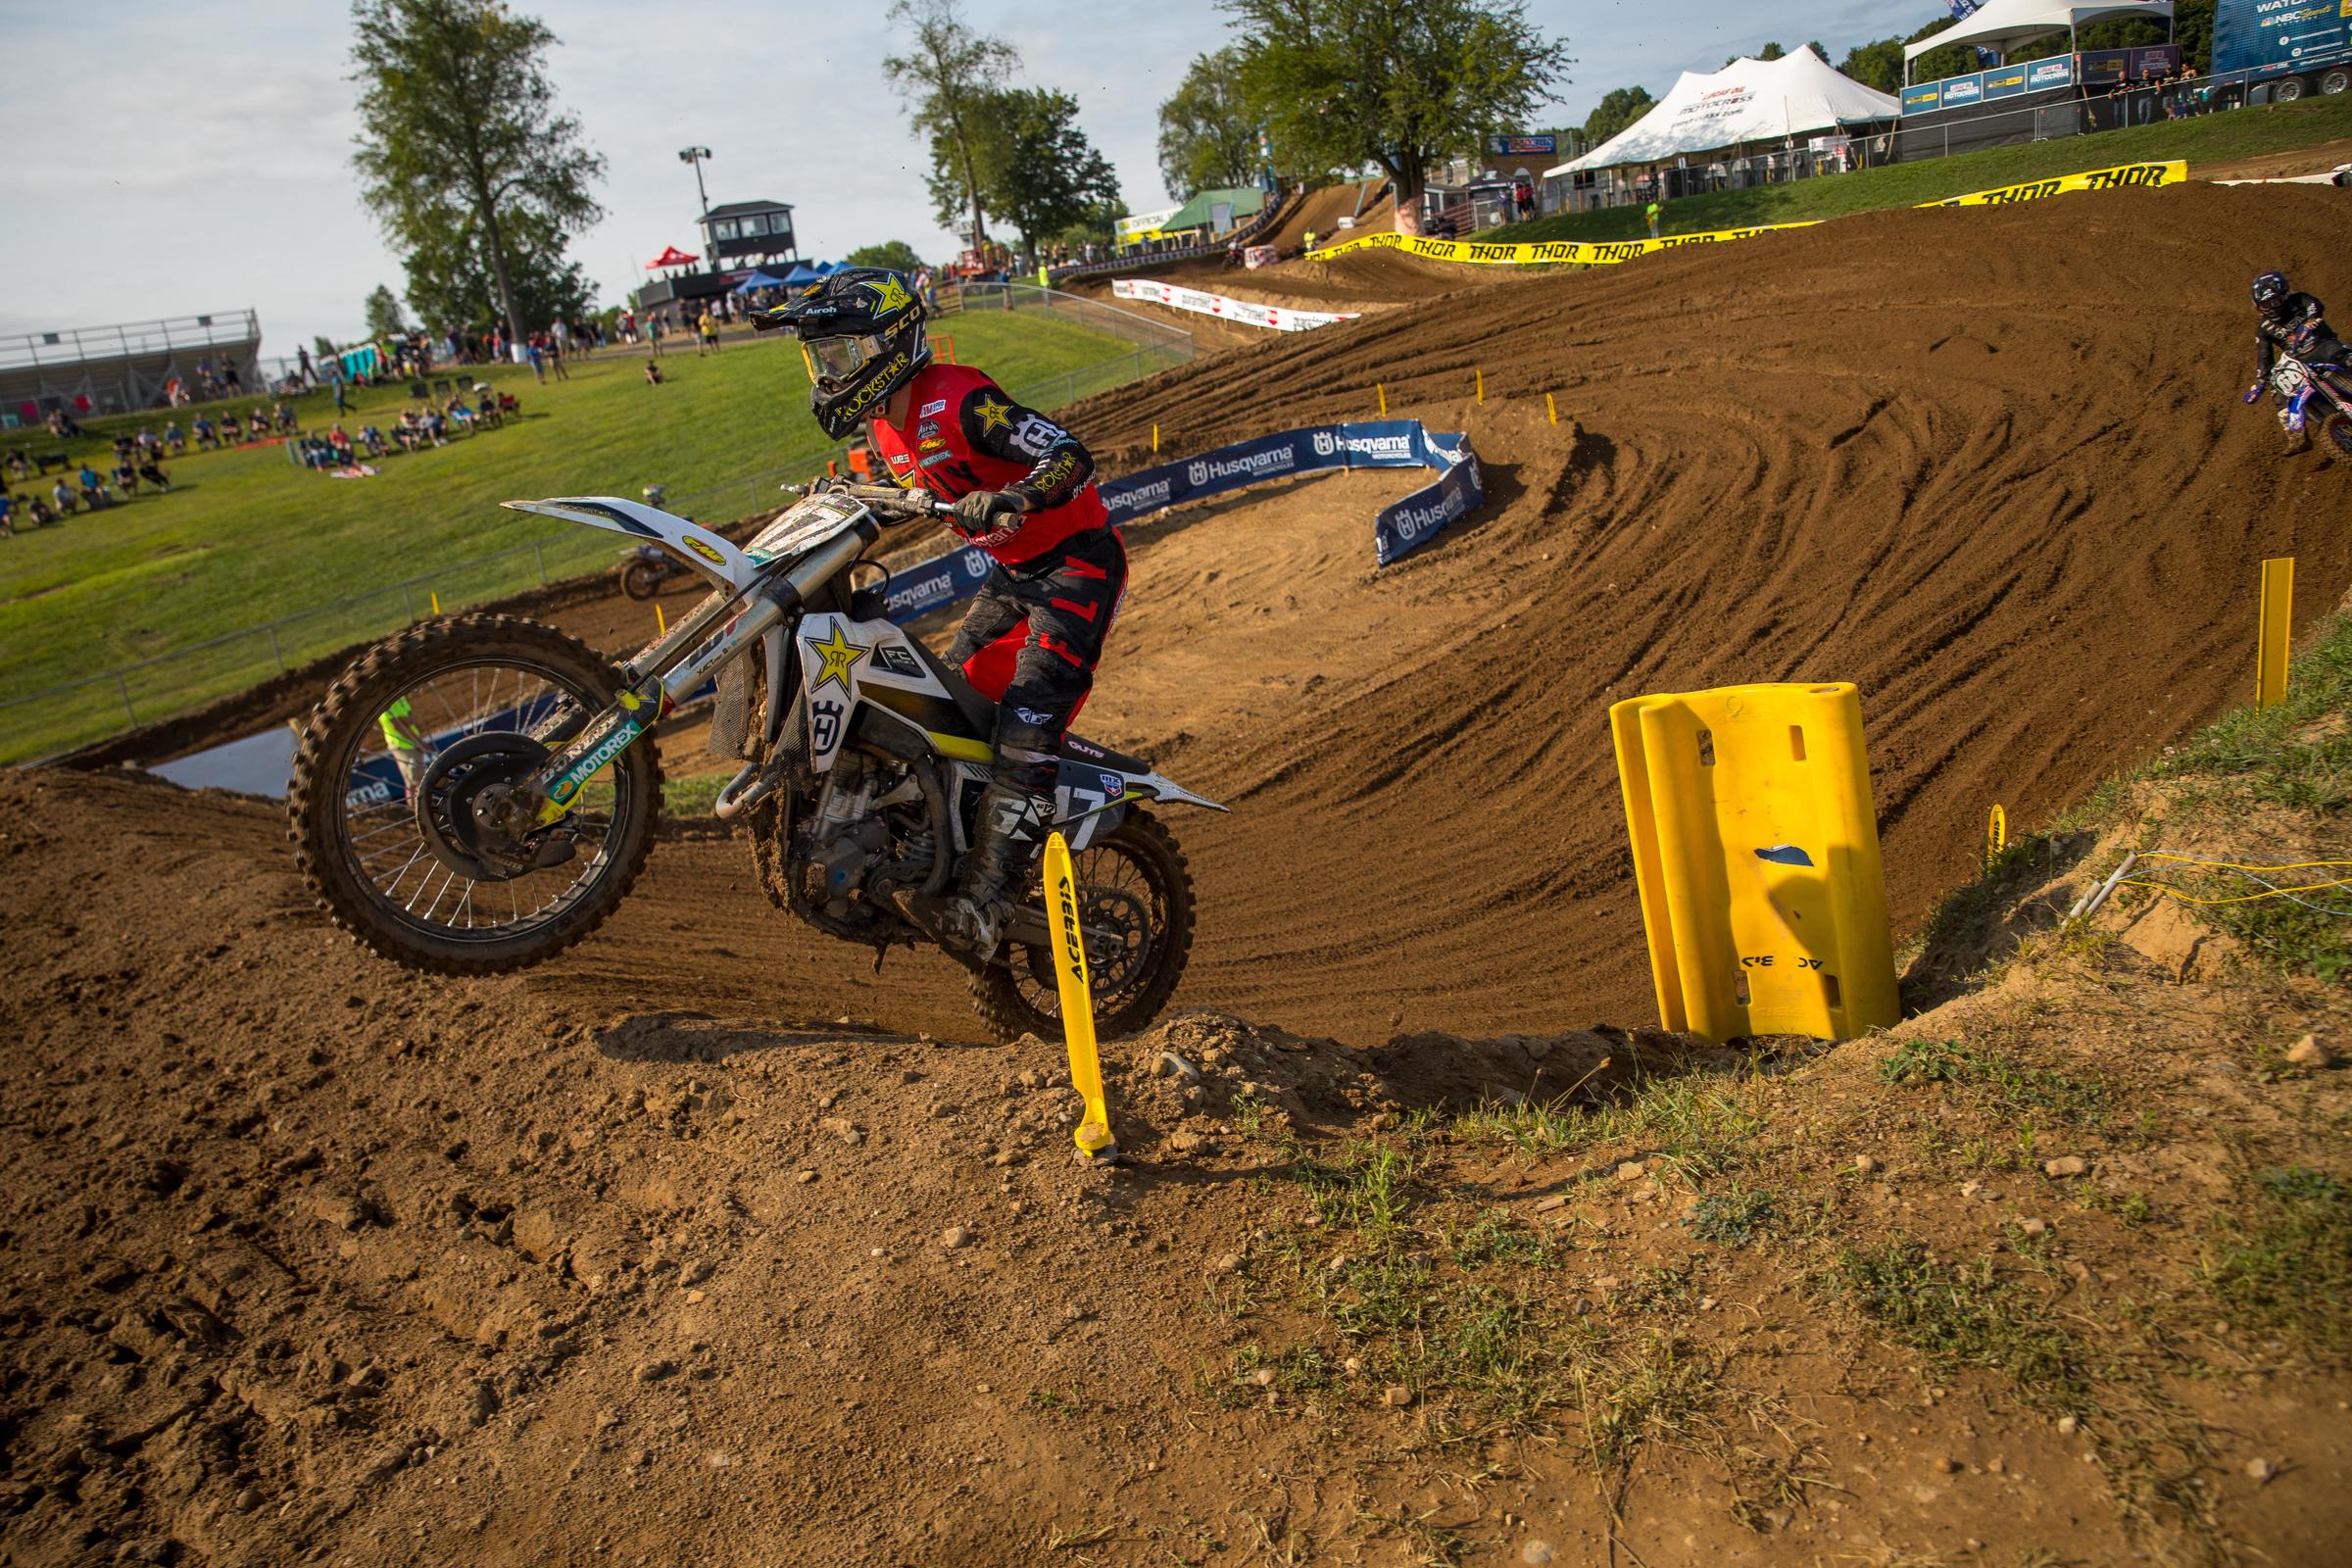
1590,252
1077,1002
1756,855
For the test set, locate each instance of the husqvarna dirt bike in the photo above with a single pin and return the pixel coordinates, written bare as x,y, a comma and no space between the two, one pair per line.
476,793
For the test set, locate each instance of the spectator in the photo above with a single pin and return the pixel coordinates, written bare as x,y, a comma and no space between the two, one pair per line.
538,361
437,428
230,380
308,377
1655,209
126,479
554,354
485,409
152,472
373,439
174,438
287,424
337,378
652,373
65,499
19,468
93,489
653,331
40,511
709,331
207,438
8,511
231,433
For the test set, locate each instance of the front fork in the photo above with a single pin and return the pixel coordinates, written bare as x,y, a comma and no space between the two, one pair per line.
683,667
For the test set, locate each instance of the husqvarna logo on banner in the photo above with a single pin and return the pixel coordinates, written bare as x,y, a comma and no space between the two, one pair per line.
1326,443
975,563
1198,472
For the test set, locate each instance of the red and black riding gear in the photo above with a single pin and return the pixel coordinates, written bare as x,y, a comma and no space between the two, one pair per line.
1026,494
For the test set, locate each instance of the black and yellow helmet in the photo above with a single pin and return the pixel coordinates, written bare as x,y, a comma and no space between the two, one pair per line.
864,329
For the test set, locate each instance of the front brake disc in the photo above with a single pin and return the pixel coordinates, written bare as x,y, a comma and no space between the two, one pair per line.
457,815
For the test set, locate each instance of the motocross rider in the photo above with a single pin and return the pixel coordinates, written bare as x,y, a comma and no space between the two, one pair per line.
1023,490
2298,324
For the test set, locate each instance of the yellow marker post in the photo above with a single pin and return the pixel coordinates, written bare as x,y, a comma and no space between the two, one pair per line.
1077,1002
1996,836
1382,393
1552,407
1481,384
1155,438
660,621
2272,629
436,602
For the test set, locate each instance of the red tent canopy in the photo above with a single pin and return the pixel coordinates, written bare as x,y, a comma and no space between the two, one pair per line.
671,256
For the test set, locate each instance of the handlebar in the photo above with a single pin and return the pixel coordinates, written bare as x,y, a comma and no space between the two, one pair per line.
900,506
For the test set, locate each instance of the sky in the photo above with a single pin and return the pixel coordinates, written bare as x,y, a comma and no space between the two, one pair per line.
205,165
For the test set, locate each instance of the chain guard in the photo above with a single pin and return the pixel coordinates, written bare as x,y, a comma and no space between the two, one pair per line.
456,815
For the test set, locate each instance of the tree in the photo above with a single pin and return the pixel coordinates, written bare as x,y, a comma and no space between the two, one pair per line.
453,283
894,254
1343,82
1619,108
1036,170
1207,131
461,141
322,347
1878,66
944,79
383,313
1953,60
1771,51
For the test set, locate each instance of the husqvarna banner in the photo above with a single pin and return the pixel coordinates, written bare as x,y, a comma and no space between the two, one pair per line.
1397,530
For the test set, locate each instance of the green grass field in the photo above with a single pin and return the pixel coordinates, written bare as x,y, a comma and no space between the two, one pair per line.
246,537
2208,139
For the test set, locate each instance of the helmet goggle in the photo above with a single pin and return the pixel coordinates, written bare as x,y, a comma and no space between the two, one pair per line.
837,359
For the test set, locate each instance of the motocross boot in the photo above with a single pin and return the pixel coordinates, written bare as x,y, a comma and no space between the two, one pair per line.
1010,824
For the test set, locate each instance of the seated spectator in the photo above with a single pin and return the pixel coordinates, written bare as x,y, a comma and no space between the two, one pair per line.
316,451
436,428
206,435
231,433
486,409
61,426
652,373
508,403
407,433
126,479
64,497
373,440
40,511
123,448
151,473
18,465
93,489
287,424
175,439
341,442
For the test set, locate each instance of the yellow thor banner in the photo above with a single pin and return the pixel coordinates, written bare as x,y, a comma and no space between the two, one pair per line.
2144,177
1594,253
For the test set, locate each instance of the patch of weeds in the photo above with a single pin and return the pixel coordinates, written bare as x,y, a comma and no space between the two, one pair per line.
1248,1114
1436,1545
1995,1078
1364,1187
1963,1315
1655,1290
2290,1271
2294,938
1730,1218
1298,1369
1532,1127
1692,1121
1053,1401
1072,1540
1655,1388
1496,1238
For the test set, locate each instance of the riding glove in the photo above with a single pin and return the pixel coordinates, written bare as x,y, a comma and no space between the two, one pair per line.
980,510
2254,393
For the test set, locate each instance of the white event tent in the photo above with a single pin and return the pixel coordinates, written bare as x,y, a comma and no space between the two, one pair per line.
1746,101
2002,24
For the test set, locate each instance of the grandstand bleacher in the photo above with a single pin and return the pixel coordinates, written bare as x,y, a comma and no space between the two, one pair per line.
121,369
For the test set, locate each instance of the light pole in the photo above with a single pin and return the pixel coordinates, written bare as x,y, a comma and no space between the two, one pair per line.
695,156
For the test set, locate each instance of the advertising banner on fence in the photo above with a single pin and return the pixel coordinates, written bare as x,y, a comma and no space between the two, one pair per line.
1397,530
2126,177
1247,312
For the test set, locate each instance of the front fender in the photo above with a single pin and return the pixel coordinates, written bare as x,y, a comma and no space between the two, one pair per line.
693,546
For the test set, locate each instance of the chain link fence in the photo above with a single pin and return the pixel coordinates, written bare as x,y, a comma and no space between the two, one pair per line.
80,713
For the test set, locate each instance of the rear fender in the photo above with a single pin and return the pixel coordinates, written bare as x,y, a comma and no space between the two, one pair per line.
696,547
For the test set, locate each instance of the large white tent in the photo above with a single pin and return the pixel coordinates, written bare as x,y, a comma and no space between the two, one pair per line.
1746,101
2002,25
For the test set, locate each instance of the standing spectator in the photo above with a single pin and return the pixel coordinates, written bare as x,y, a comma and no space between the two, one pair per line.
302,357
707,328
1656,206
538,361
337,378
555,352
230,379
653,331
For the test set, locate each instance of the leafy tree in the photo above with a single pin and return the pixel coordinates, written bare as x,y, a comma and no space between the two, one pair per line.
894,254
1878,65
1619,108
460,143
383,313
1344,82
2192,29
1771,51
1042,174
1207,130
945,78
322,347
453,283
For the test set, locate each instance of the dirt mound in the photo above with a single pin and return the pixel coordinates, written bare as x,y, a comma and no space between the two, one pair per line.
1362,281
1323,209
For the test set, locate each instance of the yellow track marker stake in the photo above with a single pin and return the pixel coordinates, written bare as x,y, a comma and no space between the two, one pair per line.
2271,632
436,602
1996,836
1077,1002
1382,393
1155,439
660,621
1481,384
1552,407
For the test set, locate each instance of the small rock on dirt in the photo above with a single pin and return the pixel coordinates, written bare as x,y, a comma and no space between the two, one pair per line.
2309,1053
2260,1471
2033,1227
955,1236
1632,1170
1948,1465
843,1128
1171,1065
2064,1165
655,1370
1867,1165
803,1176
1395,1396
1263,1377
2068,1426
1536,1552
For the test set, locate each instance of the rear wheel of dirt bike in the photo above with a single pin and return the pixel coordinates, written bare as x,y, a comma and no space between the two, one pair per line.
2336,432
642,579
1133,882
400,810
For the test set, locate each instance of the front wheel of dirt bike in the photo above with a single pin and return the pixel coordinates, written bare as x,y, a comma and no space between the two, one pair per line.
2336,432
642,579
401,786
1135,899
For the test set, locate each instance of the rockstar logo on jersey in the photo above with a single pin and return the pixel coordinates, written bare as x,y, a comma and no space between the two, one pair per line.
993,415
893,295
840,656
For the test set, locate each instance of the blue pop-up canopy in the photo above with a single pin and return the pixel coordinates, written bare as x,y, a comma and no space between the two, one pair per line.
760,280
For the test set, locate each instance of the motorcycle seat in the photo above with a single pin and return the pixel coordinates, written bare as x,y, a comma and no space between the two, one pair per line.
1075,750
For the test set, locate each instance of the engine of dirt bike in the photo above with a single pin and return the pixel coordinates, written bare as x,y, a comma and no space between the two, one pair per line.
873,828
